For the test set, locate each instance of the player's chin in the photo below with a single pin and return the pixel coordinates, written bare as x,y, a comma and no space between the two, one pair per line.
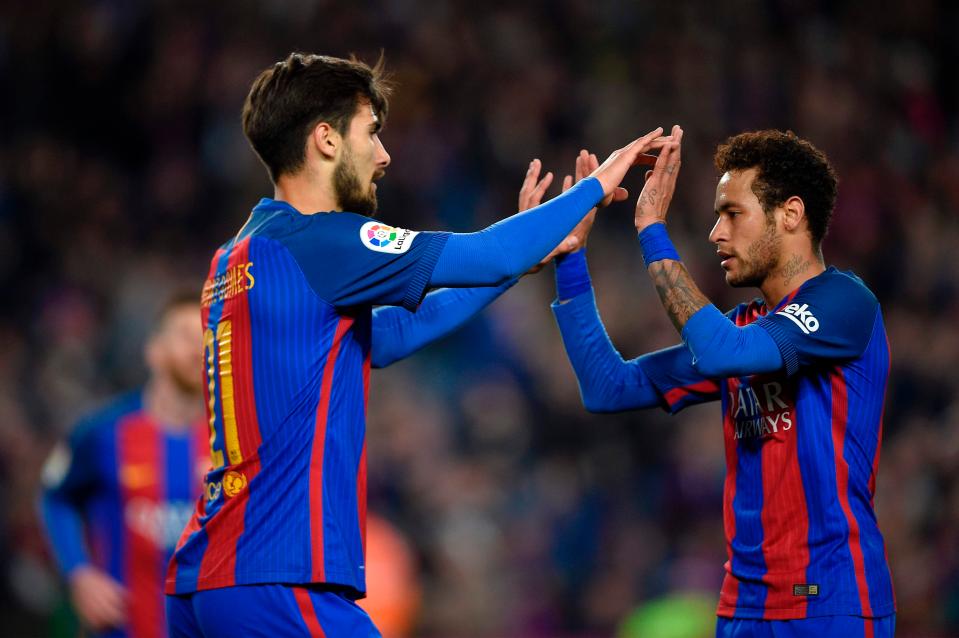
736,280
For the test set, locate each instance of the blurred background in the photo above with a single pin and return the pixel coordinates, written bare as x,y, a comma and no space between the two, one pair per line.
508,510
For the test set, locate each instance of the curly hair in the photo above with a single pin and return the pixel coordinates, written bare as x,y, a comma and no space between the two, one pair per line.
788,166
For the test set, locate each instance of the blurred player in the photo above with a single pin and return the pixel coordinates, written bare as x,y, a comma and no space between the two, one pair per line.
277,543
801,374
117,497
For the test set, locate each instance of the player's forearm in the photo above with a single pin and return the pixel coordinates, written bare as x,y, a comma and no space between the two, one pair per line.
398,333
677,291
607,383
509,248
63,526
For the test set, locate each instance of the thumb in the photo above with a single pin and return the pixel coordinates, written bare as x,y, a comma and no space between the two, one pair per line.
648,175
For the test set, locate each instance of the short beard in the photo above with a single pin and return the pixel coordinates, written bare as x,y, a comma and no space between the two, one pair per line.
350,194
760,259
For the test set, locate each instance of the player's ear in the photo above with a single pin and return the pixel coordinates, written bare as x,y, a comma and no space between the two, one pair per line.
794,213
326,140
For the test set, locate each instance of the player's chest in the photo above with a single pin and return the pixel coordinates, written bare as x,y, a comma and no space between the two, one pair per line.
154,498
759,409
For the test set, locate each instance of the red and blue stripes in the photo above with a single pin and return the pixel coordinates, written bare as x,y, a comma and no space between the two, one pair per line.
300,383
797,505
142,479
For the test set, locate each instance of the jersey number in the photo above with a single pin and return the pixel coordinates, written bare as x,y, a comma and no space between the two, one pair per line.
219,349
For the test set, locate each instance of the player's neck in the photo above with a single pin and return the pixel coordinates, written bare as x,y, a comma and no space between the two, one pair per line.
171,407
794,270
306,193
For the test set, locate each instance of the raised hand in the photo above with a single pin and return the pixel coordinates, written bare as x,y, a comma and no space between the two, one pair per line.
531,194
614,169
653,204
533,189
586,163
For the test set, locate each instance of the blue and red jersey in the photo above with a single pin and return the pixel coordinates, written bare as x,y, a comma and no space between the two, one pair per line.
802,452
117,497
287,312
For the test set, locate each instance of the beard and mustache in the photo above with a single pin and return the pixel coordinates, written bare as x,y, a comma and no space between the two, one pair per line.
760,259
351,195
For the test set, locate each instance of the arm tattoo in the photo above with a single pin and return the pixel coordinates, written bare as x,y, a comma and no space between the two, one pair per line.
677,290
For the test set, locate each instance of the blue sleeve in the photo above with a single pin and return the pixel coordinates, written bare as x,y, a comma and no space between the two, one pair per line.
351,260
69,477
721,349
398,333
607,383
510,247
831,318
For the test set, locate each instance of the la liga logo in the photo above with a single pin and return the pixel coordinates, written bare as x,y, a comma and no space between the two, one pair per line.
386,239
380,235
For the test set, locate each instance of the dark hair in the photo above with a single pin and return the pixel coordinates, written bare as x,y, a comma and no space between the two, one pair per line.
179,298
788,166
291,97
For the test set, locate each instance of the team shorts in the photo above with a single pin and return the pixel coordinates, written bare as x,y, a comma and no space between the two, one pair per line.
278,611
822,627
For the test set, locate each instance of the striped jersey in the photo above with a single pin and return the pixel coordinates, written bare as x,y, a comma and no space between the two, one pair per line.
118,496
287,316
802,452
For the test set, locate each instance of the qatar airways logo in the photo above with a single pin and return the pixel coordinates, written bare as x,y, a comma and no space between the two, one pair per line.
160,522
801,316
759,414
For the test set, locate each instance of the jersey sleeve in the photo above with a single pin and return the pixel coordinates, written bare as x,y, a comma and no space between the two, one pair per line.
398,333
350,260
69,476
830,319
677,382
607,383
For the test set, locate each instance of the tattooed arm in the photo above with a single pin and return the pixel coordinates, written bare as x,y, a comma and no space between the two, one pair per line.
677,290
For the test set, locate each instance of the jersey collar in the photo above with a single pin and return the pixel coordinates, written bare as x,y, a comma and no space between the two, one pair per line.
785,300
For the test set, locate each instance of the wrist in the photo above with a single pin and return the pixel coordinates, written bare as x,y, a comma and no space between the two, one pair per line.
572,275
656,244
642,223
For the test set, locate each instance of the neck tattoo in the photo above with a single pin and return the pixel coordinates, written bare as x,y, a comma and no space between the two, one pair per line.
794,266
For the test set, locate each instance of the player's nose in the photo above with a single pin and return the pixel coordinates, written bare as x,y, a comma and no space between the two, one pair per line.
718,233
382,157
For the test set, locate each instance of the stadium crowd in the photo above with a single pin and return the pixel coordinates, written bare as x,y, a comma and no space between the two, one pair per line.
123,166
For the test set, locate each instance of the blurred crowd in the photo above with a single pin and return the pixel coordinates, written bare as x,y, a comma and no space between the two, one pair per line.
123,165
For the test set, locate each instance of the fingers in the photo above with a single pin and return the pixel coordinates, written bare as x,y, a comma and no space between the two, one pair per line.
668,160
567,183
582,165
529,184
540,189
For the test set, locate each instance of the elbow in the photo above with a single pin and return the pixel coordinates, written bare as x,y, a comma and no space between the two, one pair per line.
713,367
596,403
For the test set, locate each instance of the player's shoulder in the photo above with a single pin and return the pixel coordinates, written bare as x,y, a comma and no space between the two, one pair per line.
103,420
838,286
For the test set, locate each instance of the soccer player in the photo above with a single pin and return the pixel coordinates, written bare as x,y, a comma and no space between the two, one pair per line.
801,376
116,498
277,543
